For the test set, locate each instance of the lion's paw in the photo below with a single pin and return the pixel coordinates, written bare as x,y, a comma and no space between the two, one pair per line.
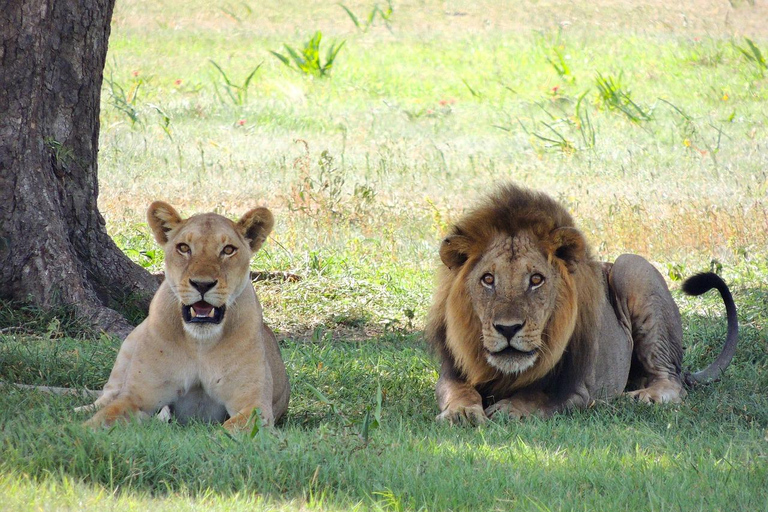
661,391
514,409
463,414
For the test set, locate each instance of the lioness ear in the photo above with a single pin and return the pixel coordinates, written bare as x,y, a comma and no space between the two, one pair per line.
569,245
454,251
162,220
255,226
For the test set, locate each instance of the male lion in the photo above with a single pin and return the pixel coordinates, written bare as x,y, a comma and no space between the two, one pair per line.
527,322
204,350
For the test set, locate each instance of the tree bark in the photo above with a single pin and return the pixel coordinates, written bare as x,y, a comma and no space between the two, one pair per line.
54,248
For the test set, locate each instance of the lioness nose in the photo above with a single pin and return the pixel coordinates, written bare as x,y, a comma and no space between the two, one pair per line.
508,331
202,286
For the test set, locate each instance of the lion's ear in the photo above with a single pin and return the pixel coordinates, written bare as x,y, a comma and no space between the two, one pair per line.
162,220
255,226
454,250
569,245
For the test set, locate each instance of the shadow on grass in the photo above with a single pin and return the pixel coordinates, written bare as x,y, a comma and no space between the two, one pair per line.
605,458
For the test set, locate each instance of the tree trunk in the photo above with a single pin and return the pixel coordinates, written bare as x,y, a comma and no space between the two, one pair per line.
54,248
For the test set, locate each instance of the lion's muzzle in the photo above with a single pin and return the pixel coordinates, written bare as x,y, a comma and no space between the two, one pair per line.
510,355
511,351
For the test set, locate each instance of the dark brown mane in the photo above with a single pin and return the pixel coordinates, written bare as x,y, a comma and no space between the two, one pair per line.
509,210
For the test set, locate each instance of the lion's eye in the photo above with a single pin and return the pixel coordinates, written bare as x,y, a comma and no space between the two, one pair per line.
536,280
183,248
487,279
229,250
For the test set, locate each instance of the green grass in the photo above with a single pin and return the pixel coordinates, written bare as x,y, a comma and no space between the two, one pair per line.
708,453
365,170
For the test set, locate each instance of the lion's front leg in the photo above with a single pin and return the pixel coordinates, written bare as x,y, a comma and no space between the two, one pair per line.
459,402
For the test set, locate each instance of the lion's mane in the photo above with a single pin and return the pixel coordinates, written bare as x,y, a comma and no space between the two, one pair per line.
572,323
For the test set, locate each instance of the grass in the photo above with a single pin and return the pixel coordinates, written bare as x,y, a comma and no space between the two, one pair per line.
706,454
364,171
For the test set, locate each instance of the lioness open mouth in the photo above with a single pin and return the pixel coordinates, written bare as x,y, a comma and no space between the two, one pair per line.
202,313
511,351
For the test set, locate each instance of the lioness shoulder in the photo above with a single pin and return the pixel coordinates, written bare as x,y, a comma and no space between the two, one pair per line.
204,350
526,321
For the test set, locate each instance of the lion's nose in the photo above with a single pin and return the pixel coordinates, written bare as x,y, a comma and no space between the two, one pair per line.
508,331
202,286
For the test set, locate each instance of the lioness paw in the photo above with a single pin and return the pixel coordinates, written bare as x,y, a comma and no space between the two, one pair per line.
244,420
463,414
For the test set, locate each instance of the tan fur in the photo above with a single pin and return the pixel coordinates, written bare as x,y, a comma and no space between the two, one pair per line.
201,370
527,322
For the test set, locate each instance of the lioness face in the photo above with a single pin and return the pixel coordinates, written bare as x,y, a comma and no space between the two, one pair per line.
513,288
206,264
207,260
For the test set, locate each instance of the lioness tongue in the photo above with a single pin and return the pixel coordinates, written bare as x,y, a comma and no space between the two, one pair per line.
202,309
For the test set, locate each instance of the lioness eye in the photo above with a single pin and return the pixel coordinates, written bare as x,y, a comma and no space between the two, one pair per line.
182,248
487,279
228,249
536,279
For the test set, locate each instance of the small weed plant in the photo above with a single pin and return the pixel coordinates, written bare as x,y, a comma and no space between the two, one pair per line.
561,130
308,60
321,190
559,63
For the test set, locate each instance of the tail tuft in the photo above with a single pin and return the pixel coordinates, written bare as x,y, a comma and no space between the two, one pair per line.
700,284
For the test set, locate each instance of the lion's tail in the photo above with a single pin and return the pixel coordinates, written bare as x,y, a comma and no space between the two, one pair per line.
698,285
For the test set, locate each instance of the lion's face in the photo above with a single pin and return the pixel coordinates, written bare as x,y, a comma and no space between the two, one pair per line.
511,303
513,289
207,260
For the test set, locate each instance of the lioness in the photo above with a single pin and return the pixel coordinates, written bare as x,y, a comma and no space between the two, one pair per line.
204,349
527,322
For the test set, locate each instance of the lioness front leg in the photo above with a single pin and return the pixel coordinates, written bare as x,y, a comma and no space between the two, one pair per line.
121,408
241,400
245,390
140,398
459,402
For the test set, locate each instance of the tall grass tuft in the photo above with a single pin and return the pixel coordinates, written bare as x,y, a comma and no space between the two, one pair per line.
613,96
363,26
237,94
125,103
753,54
